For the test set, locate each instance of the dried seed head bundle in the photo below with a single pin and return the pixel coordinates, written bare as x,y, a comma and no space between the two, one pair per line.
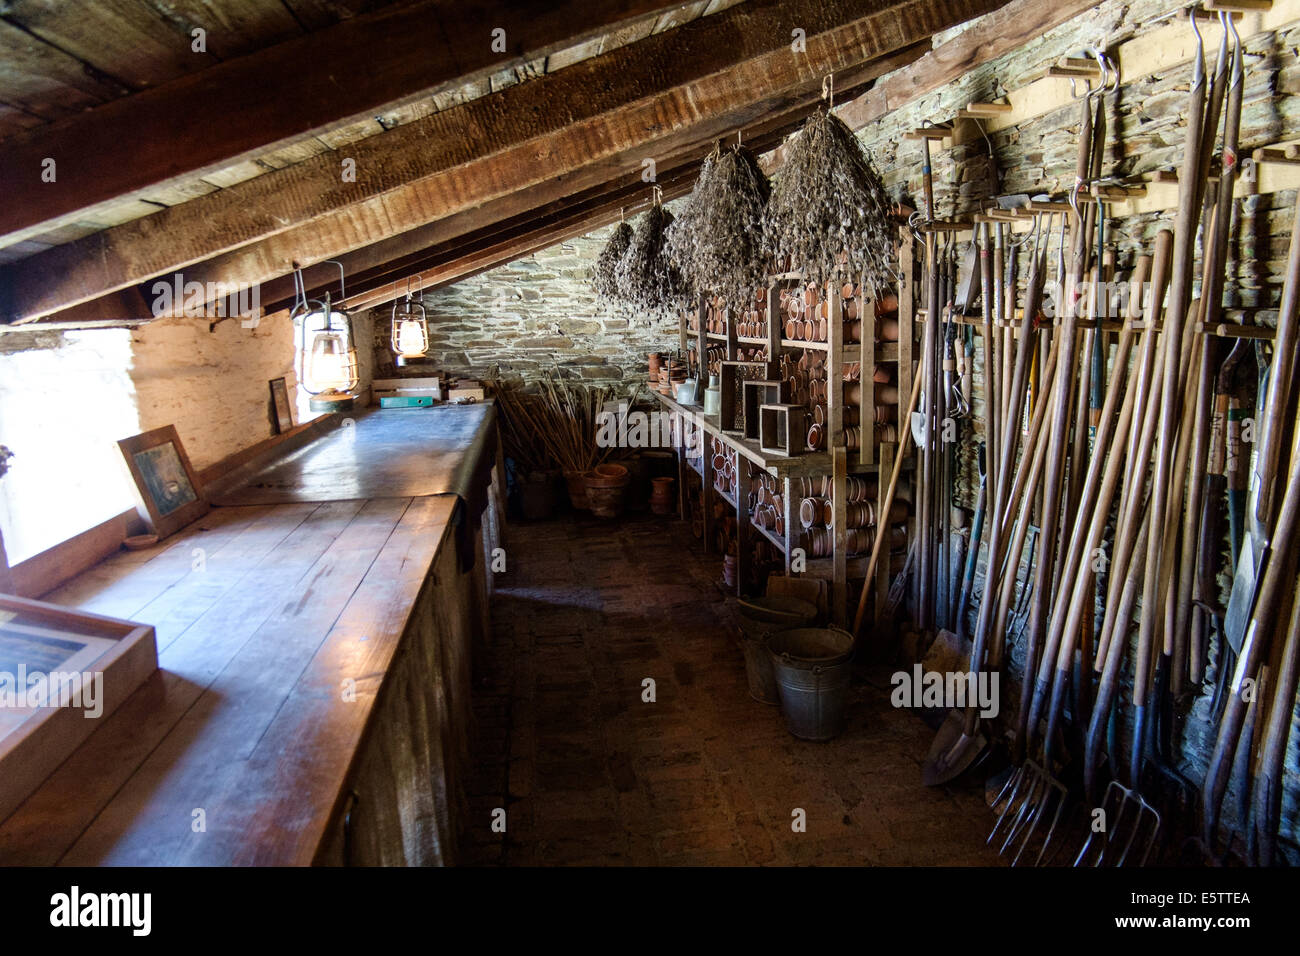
829,204
717,241
649,282
604,278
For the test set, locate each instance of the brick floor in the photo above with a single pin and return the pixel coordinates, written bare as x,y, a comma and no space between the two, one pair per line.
704,775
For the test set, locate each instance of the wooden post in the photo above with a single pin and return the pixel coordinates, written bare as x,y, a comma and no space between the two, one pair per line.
706,487
906,315
773,332
702,354
683,469
839,536
729,318
791,537
867,396
906,359
888,452
835,371
744,531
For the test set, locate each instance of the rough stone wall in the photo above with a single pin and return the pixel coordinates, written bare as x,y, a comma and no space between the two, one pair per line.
534,317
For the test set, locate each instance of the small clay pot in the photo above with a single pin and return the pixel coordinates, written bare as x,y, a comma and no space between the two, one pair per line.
662,501
815,437
606,487
577,488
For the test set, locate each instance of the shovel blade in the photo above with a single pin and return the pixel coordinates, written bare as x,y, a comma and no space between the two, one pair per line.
953,751
1242,600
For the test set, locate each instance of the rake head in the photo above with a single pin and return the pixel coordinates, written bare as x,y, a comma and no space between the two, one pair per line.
1125,832
1030,797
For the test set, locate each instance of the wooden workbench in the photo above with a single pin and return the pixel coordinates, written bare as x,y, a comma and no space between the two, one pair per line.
311,703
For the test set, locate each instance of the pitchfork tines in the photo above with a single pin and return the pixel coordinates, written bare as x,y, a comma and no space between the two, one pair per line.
1136,825
1032,796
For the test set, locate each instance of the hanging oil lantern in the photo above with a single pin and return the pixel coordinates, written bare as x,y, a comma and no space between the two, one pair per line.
328,358
410,329
327,355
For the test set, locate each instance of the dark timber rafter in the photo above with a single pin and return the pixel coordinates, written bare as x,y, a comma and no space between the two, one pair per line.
439,242
249,105
566,132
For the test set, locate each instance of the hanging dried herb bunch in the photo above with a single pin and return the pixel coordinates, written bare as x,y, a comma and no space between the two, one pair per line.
647,279
827,202
717,241
604,278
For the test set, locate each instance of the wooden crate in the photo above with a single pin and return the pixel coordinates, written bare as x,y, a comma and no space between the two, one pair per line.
783,428
756,395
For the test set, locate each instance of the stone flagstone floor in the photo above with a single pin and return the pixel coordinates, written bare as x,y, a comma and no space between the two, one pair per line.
590,774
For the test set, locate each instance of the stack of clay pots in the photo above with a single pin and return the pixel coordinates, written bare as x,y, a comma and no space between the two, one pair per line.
724,467
817,514
765,502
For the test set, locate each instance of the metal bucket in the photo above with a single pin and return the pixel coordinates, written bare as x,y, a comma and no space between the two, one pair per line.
812,666
759,617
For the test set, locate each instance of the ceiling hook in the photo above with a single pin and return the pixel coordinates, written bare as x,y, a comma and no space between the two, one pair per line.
342,289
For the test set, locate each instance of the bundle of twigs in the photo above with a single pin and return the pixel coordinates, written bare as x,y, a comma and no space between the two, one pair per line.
604,277
829,202
555,427
647,280
520,436
717,240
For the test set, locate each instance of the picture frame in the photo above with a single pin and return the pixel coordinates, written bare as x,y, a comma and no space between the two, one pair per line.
281,406
171,495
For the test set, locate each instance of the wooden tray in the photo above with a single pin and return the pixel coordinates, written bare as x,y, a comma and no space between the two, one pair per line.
39,638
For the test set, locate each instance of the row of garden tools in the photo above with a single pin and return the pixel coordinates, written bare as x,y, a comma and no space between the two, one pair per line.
1119,440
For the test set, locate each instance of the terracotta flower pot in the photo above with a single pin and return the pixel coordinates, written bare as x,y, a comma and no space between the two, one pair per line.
577,490
606,488
661,496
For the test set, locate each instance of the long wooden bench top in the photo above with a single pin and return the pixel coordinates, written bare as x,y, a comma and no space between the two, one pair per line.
262,613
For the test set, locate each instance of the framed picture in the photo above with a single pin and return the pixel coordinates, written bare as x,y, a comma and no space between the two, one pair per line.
58,667
170,494
281,405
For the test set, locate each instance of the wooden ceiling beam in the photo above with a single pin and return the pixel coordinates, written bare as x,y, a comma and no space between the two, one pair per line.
441,241
430,244
232,111
594,207
536,141
1000,32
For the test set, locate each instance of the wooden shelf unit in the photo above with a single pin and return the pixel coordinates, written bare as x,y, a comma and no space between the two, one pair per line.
837,462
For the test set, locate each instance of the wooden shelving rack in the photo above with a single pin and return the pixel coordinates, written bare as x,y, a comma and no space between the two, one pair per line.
838,462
